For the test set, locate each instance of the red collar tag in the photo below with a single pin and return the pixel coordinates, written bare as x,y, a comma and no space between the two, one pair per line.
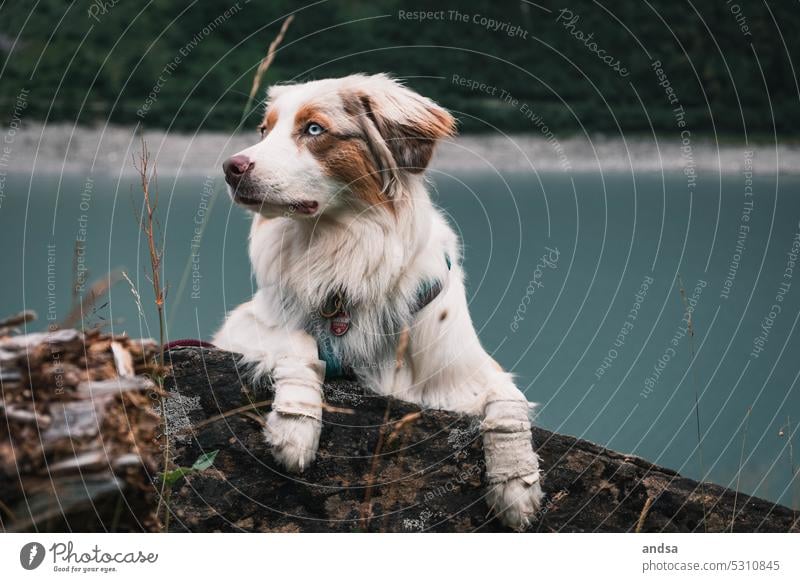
340,323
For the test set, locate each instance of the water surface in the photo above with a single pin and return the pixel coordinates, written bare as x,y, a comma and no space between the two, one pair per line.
579,284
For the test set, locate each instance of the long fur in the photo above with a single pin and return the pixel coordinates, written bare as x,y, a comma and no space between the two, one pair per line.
372,237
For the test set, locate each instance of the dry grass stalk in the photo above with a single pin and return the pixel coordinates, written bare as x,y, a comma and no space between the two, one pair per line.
227,414
402,423
792,467
690,330
336,409
97,290
373,470
9,324
149,225
257,78
407,419
246,409
643,516
741,462
400,354
259,420
265,63
76,275
135,292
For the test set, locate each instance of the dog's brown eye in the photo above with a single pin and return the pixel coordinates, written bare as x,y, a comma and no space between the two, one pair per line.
314,129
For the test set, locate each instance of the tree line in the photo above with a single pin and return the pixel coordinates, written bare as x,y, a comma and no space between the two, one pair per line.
579,66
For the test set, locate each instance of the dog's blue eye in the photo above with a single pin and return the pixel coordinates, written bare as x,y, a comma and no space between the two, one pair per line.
314,129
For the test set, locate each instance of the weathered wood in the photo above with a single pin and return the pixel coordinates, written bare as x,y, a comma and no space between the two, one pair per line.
426,477
79,447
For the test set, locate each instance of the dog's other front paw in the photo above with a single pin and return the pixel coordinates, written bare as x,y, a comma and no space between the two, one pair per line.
294,439
516,501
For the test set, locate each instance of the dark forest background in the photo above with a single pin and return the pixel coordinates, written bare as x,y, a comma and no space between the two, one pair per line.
89,70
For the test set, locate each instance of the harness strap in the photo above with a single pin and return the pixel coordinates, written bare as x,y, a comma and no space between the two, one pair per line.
427,291
333,364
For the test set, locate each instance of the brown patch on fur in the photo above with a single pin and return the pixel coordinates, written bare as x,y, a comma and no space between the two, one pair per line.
443,126
411,141
270,119
351,102
443,315
345,160
349,163
308,113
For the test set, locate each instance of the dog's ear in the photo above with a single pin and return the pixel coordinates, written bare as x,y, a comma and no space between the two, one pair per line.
401,126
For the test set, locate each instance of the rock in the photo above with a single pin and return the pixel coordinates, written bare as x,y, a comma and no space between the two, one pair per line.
427,474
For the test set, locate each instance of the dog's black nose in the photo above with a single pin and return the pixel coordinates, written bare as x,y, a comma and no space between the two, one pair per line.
236,167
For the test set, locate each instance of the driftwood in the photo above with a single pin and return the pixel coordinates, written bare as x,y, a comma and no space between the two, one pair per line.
79,448
384,465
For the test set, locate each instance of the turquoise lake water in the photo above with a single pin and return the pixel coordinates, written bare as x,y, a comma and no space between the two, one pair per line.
573,285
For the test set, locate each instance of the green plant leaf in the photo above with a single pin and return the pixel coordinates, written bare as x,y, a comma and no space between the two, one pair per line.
202,463
172,477
205,460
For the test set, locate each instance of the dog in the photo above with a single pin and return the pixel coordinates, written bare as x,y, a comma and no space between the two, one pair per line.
360,274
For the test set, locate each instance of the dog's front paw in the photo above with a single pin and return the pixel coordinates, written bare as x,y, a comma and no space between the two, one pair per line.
516,501
294,439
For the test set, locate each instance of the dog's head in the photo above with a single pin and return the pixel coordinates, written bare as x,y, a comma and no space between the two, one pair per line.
336,143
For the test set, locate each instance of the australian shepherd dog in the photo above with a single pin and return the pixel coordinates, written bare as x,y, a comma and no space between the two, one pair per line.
360,274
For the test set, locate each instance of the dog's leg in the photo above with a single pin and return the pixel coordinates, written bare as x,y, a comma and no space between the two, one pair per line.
295,422
477,386
460,376
512,466
290,358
